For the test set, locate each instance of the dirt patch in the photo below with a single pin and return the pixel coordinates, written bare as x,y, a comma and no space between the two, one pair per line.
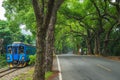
55,74
113,58
117,58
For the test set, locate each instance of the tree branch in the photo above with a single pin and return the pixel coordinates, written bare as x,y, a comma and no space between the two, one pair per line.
38,11
48,14
98,11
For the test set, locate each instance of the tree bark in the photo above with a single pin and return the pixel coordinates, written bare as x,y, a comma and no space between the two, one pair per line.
88,42
100,29
50,35
89,48
39,64
97,45
1,46
42,20
49,48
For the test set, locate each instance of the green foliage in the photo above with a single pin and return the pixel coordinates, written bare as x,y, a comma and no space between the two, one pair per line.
16,13
28,75
10,32
3,62
74,20
65,38
32,59
48,74
21,12
16,78
81,21
5,32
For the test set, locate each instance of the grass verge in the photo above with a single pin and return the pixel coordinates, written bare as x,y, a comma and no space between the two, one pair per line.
29,74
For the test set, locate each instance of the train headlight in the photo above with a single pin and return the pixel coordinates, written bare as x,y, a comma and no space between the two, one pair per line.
8,58
23,57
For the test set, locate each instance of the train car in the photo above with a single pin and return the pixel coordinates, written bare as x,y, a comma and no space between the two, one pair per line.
18,54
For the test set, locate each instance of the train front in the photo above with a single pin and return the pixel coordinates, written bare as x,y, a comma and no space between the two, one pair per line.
16,55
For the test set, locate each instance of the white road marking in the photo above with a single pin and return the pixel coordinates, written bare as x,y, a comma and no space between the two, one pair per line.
101,66
59,68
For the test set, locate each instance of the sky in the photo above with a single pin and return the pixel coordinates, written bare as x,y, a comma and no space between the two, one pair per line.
24,31
2,11
2,17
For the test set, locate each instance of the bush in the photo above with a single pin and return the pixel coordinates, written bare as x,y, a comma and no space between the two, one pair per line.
3,62
32,59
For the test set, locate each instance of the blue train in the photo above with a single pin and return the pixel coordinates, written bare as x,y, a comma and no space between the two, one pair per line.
18,54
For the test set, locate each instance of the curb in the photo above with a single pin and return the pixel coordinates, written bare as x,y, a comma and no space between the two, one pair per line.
59,68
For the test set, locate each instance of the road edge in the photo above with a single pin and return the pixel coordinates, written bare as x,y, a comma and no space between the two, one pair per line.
59,68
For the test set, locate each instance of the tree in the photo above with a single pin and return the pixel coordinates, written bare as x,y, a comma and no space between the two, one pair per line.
99,19
5,35
43,16
20,13
50,35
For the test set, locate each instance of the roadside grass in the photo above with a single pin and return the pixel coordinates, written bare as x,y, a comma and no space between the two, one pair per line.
3,62
29,74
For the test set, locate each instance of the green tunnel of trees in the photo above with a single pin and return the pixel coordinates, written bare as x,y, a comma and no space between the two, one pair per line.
90,25
93,26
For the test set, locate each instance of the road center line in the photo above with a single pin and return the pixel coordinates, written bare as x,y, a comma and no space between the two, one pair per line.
59,68
103,67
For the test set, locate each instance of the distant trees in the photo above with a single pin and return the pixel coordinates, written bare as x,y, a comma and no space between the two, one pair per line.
20,13
5,36
9,33
92,23
16,13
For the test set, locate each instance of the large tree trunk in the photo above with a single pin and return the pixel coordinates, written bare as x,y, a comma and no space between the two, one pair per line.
43,20
43,15
97,45
50,48
105,49
50,35
50,43
97,50
39,71
89,48
78,49
88,43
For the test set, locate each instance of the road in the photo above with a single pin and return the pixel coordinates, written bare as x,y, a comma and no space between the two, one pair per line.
88,68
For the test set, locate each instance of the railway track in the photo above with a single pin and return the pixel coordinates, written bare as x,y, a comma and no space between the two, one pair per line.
6,71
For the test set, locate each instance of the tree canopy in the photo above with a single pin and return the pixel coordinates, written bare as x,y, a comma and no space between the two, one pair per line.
59,26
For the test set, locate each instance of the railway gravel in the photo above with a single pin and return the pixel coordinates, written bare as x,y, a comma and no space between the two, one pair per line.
6,72
15,73
3,69
25,70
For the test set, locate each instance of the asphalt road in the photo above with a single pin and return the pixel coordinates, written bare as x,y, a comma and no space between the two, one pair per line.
88,68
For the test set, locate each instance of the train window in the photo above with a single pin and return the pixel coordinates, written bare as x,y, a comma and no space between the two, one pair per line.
15,50
21,49
27,52
10,49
